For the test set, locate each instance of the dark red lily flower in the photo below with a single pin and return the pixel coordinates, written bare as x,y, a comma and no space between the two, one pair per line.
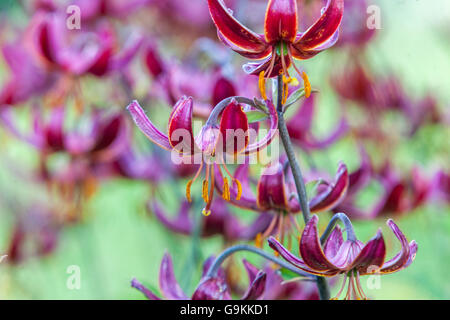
299,127
221,222
281,42
350,257
209,288
211,146
276,192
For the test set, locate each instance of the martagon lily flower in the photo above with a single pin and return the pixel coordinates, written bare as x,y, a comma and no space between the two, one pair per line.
281,41
213,144
330,255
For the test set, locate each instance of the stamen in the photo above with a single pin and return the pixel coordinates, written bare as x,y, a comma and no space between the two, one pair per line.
262,85
306,84
238,183
190,182
239,189
205,190
188,190
207,210
226,190
258,240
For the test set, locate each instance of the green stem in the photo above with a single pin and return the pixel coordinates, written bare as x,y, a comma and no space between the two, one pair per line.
243,247
322,285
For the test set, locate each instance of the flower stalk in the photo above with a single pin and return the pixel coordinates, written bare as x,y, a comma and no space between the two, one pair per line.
322,285
243,247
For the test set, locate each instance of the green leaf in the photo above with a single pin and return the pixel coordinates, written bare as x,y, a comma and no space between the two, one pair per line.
255,116
294,97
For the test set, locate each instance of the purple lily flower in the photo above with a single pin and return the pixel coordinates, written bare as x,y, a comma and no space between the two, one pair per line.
209,288
351,257
221,222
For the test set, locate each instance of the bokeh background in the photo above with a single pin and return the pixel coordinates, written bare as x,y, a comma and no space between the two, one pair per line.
118,238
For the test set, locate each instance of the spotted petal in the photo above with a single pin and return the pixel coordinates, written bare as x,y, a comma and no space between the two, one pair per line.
281,21
232,30
318,36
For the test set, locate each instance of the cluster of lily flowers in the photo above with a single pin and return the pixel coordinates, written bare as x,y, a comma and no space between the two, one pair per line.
52,71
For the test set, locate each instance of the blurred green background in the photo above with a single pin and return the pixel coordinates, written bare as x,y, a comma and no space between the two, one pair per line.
119,240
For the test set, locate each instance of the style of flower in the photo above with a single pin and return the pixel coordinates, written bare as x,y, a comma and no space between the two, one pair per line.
209,288
213,144
281,42
276,192
331,255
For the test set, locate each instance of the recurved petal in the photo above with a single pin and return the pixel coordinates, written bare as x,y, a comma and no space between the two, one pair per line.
167,281
301,53
233,30
372,255
412,253
324,28
147,292
295,261
333,194
311,250
256,288
234,128
403,256
181,137
333,243
281,21
147,127
245,53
